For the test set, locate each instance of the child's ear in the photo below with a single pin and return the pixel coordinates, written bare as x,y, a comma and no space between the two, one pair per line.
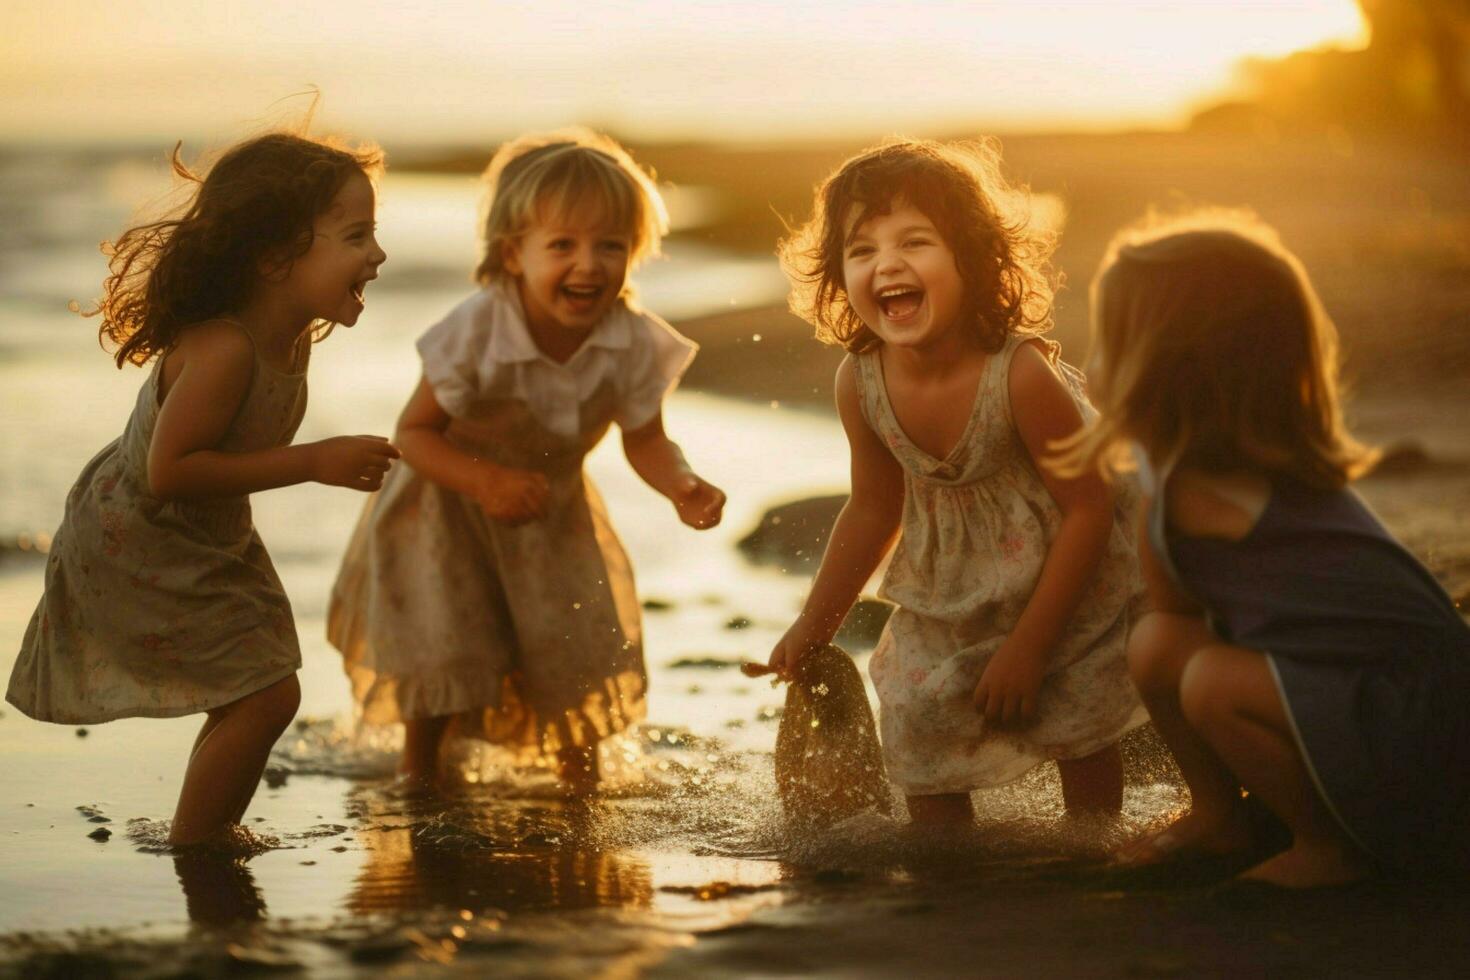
510,256
274,265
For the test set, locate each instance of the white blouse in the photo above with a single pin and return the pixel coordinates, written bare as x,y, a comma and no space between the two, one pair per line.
483,346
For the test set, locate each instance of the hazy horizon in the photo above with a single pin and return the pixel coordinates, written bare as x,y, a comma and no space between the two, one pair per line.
86,71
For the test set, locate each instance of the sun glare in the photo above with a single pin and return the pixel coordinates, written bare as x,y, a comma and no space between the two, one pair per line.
80,69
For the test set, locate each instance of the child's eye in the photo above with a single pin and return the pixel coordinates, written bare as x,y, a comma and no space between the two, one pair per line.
560,244
917,242
857,251
615,246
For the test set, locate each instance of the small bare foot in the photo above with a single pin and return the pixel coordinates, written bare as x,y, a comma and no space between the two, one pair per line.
1318,865
1190,838
414,786
578,770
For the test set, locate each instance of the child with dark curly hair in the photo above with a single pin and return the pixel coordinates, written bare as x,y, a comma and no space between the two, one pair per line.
1014,587
160,599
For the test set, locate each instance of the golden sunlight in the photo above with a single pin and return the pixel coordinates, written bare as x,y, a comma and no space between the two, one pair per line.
78,70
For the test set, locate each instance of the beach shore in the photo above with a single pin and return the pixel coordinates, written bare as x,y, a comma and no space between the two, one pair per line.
685,866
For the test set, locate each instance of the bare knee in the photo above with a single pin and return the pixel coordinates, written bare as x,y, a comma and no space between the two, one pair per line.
1206,694
1159,646
276,705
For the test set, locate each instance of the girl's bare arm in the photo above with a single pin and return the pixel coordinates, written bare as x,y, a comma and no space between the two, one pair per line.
864,531
660,462
506,494
215,365
1044,412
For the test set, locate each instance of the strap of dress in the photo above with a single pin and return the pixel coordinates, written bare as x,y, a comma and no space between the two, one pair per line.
865,366
1155,482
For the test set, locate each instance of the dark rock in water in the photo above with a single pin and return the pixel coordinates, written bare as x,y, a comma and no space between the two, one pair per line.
100,834
737,623
703,663
837,876
828,763
1403,457
793,535
275,776
864,623
657,605
82,733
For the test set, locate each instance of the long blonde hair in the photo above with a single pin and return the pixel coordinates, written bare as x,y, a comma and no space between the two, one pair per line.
1211,349
560,172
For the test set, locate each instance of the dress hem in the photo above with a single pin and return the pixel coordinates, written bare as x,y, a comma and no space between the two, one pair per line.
158,711
1139,718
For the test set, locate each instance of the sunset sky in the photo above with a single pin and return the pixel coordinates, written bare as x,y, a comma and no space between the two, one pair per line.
101,70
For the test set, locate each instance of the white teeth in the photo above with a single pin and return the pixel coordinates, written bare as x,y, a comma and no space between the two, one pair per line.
888,291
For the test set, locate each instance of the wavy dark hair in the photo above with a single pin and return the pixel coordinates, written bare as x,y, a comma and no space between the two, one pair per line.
1004,258
256,206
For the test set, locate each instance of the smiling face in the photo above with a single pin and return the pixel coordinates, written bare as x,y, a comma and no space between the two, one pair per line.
569,270
901,278
328,282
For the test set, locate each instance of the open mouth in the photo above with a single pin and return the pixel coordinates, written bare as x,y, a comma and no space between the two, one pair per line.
582,294
898,302
359,289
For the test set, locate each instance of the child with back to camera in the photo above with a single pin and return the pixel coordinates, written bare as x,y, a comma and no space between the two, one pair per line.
160,599
485,584
1013,586
1297,650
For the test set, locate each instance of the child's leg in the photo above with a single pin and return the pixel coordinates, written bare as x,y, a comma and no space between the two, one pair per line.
228,759
422,738
1093,784
210,720
1230,697
1159,649
577,766
941,809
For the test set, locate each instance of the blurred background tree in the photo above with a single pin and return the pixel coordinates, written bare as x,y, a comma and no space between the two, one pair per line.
1412,78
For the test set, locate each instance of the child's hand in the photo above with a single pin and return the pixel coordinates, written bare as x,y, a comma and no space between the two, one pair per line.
790,649
1007,691
358,462
699,504
511,496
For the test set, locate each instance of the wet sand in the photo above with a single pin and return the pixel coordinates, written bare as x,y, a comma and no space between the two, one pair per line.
686,866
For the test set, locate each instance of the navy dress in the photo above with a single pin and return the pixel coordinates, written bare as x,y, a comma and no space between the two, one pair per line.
1370,656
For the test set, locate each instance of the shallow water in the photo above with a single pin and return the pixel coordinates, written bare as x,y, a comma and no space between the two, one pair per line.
684,864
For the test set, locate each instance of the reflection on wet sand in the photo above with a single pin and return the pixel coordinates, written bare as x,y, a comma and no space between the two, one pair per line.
481,853
218,889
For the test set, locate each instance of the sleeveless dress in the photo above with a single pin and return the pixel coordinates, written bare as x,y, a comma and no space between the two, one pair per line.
161,608
975,531
1370,657
529,636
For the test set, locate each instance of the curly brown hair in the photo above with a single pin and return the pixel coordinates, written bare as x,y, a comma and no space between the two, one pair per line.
1004,259
258,204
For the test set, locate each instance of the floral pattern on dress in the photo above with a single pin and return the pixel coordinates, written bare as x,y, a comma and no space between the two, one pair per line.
530,636
156,608
975,532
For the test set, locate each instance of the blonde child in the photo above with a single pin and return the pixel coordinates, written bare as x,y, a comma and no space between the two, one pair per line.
484,582
1297,649
160,598
1013,586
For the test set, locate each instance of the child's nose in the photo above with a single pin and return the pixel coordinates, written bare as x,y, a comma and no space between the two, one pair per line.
889,260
